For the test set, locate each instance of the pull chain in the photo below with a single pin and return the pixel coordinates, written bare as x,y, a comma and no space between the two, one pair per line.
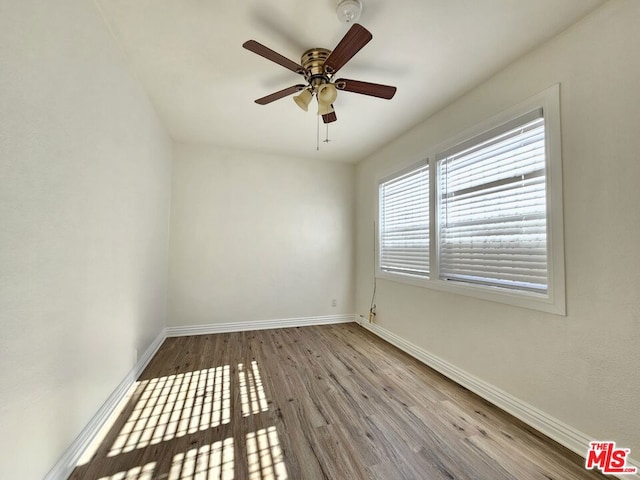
317,132
326,140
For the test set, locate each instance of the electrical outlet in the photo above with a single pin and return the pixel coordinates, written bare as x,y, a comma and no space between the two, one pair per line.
334,303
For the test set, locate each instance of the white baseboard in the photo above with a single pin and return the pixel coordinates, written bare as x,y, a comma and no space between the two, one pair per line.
257,325
68,461
631,463
63,468
562,433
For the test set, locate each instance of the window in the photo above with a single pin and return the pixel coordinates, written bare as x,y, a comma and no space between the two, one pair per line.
404,223
492,208
492,228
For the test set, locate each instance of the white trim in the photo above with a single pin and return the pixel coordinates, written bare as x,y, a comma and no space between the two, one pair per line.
403,277
564,434
631,462
555,299
257,325
573,439
423,162
420,280
69,459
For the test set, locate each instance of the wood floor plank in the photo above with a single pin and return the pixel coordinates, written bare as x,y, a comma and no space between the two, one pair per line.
322,402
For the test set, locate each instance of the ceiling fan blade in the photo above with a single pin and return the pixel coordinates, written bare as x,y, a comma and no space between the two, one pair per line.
365,88
269,54
280,94
356,38
329,117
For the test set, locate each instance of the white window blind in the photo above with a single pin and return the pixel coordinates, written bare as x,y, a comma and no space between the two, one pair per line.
404,223
493,227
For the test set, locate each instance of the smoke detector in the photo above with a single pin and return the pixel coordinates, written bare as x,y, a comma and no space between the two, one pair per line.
349,10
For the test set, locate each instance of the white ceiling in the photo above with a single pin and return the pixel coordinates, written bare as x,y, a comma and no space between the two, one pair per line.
188,55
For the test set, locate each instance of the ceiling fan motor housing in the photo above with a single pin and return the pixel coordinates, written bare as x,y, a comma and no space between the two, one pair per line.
313,63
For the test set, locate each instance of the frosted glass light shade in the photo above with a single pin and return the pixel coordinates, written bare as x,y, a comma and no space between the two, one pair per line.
303,99
327,94
324,109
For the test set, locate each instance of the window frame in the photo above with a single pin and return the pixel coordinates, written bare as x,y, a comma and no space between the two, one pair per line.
554,301
398,276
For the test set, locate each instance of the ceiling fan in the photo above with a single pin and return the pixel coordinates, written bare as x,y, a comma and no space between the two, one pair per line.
318,66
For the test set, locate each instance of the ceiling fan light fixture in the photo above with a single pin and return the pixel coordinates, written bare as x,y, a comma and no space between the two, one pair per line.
303,99
325,109
327,93
349,10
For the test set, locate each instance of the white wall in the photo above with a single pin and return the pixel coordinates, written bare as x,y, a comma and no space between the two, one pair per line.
582,369
258,237
84,202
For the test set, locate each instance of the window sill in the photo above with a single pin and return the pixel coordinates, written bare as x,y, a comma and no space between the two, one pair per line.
529,300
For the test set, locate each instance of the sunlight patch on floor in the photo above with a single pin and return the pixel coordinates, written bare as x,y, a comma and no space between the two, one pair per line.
252,393
175,405
209,462
264,455
141,472
188,404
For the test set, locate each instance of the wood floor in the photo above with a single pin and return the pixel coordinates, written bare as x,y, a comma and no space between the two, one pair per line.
328,402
